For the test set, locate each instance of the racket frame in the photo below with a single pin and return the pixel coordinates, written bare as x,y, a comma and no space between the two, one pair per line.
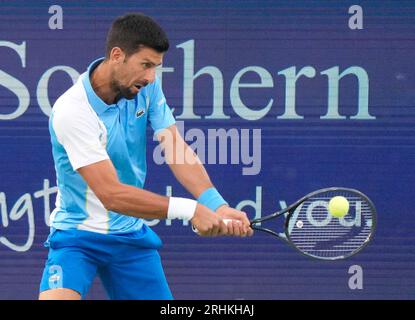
291,209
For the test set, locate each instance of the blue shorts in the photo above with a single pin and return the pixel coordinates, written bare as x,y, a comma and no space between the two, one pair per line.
128,264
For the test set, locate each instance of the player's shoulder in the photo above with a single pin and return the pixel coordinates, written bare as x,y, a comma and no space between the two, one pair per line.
72,103
72,110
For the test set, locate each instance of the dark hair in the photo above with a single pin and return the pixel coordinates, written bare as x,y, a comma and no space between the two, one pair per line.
133,30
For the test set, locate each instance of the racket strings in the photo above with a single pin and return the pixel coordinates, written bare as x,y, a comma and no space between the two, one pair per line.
314,231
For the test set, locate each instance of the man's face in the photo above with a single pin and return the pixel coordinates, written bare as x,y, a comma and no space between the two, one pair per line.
130,74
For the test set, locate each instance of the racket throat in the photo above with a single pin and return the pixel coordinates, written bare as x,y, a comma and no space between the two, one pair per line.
280,235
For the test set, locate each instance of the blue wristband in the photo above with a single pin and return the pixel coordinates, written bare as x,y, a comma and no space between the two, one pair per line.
211,198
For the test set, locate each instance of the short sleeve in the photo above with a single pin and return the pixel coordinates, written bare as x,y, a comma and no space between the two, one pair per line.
160,115
80,134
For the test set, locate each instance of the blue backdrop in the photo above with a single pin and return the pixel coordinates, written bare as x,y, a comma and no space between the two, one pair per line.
333,97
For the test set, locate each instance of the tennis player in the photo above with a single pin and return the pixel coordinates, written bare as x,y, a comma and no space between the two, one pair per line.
98,135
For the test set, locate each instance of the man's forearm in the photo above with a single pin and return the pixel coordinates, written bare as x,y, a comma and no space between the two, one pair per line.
188,169
184,163
137,202
102,179
193,177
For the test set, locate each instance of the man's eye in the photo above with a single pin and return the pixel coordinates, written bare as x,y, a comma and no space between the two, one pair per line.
146,65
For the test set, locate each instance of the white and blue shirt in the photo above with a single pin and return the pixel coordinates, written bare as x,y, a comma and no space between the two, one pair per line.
84,130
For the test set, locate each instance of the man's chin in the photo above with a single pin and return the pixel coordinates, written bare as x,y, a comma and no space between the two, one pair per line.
130,94
130,97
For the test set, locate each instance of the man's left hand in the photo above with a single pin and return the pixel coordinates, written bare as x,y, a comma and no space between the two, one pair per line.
240,225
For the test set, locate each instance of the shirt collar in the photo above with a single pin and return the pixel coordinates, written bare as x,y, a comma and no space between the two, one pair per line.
94,100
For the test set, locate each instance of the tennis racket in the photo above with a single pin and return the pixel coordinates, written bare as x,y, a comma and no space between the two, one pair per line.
311,229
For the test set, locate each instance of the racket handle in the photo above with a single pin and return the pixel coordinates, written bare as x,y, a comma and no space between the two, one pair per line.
225,221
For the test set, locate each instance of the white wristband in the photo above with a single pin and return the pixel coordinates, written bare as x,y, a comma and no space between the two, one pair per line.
181,208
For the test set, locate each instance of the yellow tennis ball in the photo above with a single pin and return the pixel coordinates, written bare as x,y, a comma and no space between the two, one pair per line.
338,206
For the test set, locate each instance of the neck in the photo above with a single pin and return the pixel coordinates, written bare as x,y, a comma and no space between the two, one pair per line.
101,83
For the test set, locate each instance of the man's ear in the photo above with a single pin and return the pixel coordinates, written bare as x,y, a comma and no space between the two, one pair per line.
117,55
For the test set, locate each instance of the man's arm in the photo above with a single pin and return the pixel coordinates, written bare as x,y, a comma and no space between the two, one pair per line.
190,172
115,196
102,178
184,163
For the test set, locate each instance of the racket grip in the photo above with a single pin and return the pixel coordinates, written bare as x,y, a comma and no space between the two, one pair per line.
225,221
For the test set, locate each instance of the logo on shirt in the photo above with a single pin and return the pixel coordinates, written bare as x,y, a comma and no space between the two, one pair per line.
139,113
56,276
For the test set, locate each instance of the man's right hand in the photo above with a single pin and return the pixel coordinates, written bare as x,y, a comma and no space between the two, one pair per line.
208,223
